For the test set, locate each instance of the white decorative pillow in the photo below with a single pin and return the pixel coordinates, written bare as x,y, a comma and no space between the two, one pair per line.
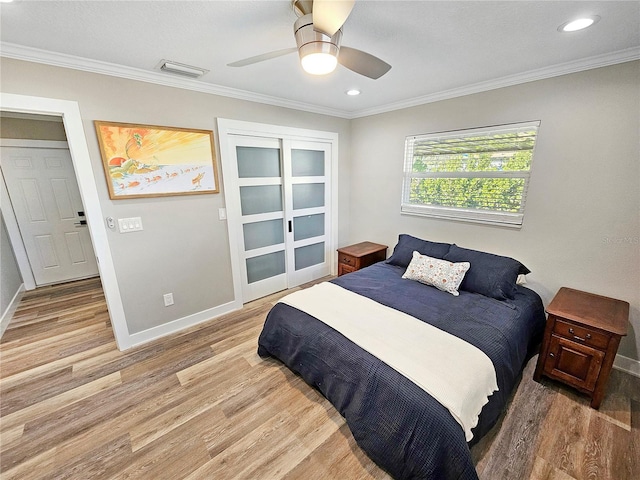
442,274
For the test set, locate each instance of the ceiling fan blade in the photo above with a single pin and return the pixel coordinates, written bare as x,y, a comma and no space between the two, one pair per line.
262,57
330,15
362,62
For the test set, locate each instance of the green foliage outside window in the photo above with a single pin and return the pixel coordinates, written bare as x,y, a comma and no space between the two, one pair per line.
490,193
486,172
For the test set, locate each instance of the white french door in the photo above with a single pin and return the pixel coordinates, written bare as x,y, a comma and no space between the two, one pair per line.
279,207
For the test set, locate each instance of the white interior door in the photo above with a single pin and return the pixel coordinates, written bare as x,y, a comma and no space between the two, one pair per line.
280,211
44,193
260,220
307,174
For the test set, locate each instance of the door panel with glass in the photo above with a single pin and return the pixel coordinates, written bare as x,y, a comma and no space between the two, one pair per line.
307,200
261,217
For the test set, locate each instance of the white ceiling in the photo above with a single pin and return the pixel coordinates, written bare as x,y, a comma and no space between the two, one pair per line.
437,49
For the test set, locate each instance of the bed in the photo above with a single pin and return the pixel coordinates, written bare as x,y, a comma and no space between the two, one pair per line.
402,427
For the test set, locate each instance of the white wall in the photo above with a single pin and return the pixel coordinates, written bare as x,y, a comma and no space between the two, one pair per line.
183,248
582,219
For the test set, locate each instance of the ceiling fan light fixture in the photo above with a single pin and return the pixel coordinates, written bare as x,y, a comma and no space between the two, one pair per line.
319,63
319,48
318,51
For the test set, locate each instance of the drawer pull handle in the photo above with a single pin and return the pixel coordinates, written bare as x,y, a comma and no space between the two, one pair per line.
586,337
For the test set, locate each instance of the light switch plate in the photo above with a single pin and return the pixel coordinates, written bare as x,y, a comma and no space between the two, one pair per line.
131,224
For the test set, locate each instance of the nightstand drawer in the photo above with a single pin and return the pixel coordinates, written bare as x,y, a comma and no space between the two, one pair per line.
347,260
581,334
344,269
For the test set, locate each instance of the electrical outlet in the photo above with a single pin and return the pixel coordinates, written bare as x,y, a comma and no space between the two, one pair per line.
168,299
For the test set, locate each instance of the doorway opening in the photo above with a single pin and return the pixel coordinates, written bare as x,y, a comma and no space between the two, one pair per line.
69,112
45,199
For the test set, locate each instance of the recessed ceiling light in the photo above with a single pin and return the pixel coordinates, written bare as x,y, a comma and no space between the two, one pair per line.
6,1
578,24
353,92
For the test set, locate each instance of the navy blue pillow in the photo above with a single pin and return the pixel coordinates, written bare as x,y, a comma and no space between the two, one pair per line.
490,275
403,251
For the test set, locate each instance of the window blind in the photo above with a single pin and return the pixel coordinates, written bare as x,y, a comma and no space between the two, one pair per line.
479,174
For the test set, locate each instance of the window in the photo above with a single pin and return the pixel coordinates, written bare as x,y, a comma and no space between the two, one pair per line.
478,175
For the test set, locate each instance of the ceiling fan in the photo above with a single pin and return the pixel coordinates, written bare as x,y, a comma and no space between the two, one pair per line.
318,32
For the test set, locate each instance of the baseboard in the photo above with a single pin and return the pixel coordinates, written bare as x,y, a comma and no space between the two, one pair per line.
179,324
627,364
7,315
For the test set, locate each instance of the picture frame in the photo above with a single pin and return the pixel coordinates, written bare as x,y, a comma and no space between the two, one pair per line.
152,161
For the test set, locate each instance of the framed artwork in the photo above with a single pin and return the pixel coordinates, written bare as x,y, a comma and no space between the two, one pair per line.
151,161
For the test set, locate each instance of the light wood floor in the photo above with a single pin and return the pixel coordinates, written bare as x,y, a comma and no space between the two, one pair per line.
203,405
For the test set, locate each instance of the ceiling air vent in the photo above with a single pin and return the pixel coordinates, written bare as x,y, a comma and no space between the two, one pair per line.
182,69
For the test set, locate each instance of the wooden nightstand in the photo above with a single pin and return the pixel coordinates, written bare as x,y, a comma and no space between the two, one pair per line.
360,255
581,339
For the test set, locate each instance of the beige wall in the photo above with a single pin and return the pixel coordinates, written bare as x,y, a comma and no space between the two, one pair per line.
183,248
582,223
582,219
10,279
30,129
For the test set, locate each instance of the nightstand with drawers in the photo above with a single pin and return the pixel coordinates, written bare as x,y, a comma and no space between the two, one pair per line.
360,255
581,339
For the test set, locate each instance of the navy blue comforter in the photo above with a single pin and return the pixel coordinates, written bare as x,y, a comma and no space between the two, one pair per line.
400,426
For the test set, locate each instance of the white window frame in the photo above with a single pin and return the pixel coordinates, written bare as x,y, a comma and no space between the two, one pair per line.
485,216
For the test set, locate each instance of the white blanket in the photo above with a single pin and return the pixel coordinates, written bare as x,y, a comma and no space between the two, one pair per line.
457,374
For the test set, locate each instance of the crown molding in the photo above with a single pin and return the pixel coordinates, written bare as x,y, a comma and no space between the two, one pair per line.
36,55
588,63
29,54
